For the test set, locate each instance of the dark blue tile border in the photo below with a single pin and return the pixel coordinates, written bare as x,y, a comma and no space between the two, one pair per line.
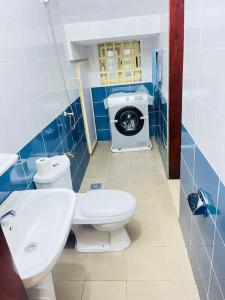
55,139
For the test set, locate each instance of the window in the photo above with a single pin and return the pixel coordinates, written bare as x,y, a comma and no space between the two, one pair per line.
120,62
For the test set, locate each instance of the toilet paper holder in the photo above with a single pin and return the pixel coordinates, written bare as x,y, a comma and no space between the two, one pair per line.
199,202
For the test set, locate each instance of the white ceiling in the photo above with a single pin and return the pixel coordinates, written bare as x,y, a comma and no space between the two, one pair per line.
94,10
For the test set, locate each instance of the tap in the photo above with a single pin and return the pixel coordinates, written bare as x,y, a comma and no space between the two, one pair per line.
10,212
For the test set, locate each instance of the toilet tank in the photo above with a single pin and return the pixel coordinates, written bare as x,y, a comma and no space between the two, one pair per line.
58,175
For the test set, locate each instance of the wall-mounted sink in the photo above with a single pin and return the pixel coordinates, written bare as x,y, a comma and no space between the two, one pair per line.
6,161
37,234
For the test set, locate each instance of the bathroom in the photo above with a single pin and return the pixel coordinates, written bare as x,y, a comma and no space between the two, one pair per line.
112,177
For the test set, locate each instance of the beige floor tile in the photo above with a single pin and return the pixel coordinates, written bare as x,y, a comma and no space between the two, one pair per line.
163,192
156,265
147,263
146,180
116,183
143,194
107,266
99,171
117,169
71,266
174,186
146,212
149,290
171,233
69,290
145,234
98,162
118,158
145,169
187,289
164,204
179,264
104,290
166,211
101,151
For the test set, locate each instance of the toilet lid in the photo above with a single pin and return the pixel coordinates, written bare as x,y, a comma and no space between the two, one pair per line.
107,203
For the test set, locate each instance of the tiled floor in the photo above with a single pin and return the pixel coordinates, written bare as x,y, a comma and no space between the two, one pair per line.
156,266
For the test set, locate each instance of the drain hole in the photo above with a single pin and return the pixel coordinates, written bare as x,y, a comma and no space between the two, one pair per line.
31,247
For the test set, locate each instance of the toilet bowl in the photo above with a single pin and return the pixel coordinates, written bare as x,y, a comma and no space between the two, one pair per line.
100,216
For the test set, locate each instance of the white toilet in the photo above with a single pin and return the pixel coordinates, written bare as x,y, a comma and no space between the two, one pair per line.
100,216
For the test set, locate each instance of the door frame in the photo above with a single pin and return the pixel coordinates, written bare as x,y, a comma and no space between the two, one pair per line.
87,132
176,48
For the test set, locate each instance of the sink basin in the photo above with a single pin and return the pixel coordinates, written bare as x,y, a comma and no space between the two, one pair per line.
6,161
37,234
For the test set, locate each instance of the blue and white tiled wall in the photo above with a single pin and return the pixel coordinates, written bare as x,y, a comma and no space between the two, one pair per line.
161,132
102,115
204,235
57,138
203,146
33,93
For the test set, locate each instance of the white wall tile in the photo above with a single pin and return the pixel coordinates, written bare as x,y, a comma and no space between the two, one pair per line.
204,77
211,78
11,49
32,90
208,139
3,108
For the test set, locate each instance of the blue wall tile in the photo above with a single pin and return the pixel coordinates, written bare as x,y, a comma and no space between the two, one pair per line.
30,153
161,121
99,109
202,261
187,150
51,136
149,87
215,291
186,178
218,261
117,89
205,177
78,108
203,233
102,123
185,219
103,135
220,221
207,232
13,179
98,94
55,139
152,119
152,130
68,142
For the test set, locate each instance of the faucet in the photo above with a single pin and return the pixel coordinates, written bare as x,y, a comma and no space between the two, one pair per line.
10,212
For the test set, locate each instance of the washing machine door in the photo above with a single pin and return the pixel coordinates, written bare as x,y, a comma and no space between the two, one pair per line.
129,120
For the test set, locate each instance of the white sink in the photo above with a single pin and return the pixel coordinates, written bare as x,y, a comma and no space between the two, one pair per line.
6,161
37,234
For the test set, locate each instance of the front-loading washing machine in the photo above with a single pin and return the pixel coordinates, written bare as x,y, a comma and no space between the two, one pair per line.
129,121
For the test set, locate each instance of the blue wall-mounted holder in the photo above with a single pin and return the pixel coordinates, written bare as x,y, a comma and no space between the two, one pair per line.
199,203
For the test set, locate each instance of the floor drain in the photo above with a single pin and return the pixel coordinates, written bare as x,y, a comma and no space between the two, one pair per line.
95,186
31,247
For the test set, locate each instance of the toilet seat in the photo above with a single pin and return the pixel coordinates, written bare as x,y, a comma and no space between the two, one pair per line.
103,206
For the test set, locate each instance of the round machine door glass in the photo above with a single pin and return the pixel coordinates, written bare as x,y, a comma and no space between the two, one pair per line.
129,120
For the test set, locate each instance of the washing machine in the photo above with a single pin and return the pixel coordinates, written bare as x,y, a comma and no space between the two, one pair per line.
129,121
